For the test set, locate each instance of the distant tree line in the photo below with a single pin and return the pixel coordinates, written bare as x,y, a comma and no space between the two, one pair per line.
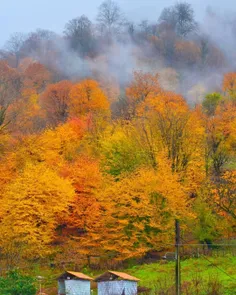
175,38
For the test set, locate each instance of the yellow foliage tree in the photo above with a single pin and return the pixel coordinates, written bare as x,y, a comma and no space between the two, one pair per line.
53,147
31,205
174,124
221,136
140,211
168,125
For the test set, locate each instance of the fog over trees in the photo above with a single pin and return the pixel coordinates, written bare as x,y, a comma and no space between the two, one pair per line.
114,46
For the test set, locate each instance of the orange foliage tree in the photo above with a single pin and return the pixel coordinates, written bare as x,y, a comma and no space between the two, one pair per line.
25,115
87,97
36,76
10,84
84,224
86,178
229,84
187,52
55,101
143,85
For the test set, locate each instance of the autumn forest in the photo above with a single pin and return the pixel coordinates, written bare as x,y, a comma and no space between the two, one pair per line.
112,130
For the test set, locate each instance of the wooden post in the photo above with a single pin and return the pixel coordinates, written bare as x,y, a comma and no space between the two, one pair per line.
177,258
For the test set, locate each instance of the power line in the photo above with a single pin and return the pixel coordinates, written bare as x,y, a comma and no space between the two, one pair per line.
225,245
232,278
202,255
187,244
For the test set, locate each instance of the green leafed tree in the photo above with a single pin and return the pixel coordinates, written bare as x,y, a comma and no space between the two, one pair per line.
210,102
15,283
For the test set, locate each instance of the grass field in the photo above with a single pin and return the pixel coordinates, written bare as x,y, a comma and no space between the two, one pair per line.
161,275
221,268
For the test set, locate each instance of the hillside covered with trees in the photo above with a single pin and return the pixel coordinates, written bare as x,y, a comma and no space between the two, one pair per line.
111,131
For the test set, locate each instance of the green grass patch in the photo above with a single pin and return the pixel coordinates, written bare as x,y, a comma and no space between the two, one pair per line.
222,268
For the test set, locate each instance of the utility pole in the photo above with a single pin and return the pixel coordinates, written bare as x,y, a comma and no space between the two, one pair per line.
177,258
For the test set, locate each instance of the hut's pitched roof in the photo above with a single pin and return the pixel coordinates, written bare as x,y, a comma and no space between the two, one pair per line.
113,275
78,275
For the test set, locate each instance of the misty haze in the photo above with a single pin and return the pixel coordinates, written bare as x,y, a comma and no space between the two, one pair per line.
199,56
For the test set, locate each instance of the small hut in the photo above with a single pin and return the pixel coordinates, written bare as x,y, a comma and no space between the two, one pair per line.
74,283
117,283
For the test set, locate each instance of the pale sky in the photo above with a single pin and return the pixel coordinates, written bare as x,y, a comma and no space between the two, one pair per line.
28,15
